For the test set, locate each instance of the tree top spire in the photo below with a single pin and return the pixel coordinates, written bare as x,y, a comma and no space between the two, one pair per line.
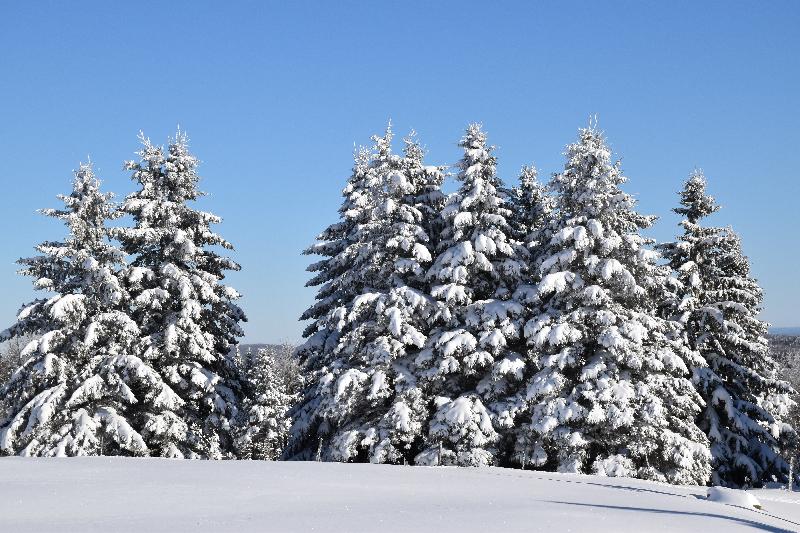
696,203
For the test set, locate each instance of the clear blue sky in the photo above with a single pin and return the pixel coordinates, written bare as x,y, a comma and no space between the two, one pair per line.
274,95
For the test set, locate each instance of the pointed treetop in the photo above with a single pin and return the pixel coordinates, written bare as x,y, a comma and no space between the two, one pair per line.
84,177
528,177
361,157
85,211
383,144
591,143
180,142
474,138
84,184
590,183
169,175
412,148
478,162
696,203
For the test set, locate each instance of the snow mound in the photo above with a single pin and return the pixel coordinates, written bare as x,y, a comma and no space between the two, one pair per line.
739,498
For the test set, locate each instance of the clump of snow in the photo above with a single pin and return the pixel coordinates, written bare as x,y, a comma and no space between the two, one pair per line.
739,498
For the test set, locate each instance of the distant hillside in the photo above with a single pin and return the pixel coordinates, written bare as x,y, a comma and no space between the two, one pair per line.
785,331
258,346
785,349
255,347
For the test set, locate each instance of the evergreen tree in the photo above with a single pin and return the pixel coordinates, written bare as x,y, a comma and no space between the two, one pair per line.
82,384
362,402
717,302
469,359
287,367
612,393
530,210
266,406
187,315
425,184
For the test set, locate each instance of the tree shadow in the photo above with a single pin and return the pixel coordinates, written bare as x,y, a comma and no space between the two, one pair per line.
743,521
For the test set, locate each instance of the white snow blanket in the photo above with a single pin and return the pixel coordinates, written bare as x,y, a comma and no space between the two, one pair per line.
115,494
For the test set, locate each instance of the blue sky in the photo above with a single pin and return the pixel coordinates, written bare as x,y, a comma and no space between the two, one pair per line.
274,95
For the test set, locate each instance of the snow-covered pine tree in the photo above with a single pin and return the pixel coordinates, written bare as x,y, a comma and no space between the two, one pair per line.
82,385
265,429
187,315
612,394
530,210
717,302
469,358
362,401
287,367
426,184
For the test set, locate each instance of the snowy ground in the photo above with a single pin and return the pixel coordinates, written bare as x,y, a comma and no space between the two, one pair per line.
112,494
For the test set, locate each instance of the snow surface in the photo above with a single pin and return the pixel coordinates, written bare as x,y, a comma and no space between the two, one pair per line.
117,494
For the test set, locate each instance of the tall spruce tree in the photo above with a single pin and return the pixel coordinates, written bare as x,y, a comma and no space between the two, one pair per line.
612,394
362,402
187,315
717,302
469,358
426,189
82,384
531,212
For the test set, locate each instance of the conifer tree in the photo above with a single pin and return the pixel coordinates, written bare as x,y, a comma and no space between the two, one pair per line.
717,302
82,384
612,393
265,430
426,186
187,315
287,367
530,210
468,360
362,402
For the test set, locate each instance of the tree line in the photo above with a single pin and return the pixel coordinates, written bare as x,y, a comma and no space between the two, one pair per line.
130,356
531,326
535,326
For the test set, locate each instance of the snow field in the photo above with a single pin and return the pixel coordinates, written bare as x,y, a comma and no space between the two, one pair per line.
121,494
